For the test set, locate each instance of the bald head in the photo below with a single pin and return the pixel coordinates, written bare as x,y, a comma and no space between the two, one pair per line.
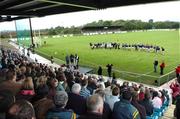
95,104
76,88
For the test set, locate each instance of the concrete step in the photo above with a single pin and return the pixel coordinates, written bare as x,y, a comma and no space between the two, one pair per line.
169,114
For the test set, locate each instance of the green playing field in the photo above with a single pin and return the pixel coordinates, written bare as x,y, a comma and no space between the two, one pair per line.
140,62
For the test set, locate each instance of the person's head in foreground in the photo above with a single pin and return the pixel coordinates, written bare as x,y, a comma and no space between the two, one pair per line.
95,104
21,109
60,99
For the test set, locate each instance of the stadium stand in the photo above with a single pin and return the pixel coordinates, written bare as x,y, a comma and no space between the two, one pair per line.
24,82
39,83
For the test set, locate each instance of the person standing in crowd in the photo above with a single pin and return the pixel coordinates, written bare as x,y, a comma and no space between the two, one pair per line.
59,111
52,59
163,50
156,100
37,45
76,102
44,42
36,60
33,47
100,71
72,59
162,66
109,69
147,103
177,112
139,107
23,50
177,71
67,59
155,65
111,99
76,58
94,108
178,80
10,82
114,80
123,109
27,90
84,91
6,100
40,100
28,52
21,109
4,62
175,87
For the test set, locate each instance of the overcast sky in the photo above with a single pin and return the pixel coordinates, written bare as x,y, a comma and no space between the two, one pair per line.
156,11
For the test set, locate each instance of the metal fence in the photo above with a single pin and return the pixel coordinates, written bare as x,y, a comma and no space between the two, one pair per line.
145,78
130,76
167,77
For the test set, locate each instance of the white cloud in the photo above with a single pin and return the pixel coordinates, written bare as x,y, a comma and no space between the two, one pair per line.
157,11
7,26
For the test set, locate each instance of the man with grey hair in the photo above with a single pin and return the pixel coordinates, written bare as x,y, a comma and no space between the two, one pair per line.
106,108
76,88
95,104
94,108
84,91
60,98
76,102
59,112
21,109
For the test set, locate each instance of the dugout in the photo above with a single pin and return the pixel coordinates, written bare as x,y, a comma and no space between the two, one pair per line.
100,29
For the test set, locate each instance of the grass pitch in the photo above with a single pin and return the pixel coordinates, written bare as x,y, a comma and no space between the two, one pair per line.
123,60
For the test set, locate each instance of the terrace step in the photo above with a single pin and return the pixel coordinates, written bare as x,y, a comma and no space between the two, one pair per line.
169,114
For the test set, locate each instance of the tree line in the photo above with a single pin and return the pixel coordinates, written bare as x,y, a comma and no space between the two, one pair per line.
137,24
126,25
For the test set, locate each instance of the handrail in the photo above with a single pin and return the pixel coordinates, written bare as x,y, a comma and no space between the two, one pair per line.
136,73
167,74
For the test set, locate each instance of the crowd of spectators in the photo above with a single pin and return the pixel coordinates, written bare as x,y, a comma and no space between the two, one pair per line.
30,90
72,60
175,86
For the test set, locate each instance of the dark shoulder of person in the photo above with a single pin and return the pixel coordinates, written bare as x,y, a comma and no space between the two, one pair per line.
178,79
178,107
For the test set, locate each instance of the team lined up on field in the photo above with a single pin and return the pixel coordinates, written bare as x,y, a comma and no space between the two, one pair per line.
138,46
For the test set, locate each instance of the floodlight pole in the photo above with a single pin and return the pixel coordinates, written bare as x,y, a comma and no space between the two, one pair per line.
0,38
32,40
17,33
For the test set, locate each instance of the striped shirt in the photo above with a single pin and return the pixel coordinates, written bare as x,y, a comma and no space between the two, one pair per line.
85,92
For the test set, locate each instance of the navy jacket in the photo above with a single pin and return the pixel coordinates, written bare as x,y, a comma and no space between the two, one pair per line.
148,106
60,113
123,109
77,103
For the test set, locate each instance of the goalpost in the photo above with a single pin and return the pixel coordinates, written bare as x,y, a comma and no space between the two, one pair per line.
37,38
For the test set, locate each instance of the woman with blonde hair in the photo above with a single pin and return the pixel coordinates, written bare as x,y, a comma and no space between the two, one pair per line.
41,81
27,90
41,88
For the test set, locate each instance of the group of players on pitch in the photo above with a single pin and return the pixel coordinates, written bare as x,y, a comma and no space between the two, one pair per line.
137,47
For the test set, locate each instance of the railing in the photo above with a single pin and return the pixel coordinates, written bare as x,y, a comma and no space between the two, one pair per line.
137,77
167,77
131,76
145,78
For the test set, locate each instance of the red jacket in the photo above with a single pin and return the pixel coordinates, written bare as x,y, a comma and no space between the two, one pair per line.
162,65
176,89
141,96
178,70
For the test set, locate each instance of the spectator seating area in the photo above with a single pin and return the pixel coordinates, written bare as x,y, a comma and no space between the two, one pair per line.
157,113
30,90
